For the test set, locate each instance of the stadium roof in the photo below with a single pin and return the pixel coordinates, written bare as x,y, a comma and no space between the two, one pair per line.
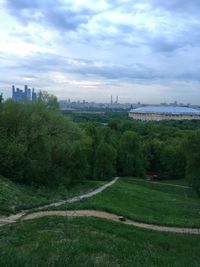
166,109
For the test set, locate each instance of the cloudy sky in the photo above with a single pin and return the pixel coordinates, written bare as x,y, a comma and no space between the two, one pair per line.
147,50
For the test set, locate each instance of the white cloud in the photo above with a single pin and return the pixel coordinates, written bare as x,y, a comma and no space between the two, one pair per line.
141,50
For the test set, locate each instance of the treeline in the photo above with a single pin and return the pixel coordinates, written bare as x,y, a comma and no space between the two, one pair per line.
95,115
38,145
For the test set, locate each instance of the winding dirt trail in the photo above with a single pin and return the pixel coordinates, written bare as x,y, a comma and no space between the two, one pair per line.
111,217
24,215
15,217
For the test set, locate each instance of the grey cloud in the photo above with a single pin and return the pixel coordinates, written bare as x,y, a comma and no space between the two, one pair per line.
67,20
64,18
190,36
126,28
50,13
23,4
170,5
164,45
41,63
177,5
38,70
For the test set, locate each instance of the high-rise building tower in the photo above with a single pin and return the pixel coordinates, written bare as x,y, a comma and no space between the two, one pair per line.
26,91
34,95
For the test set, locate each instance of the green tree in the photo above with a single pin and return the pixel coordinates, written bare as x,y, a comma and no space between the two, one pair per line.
105,163
131,160
94,132
48,100
192,153
78,162
173,161
1,98
153,150
36,143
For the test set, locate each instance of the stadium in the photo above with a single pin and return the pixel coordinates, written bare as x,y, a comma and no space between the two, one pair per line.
158,113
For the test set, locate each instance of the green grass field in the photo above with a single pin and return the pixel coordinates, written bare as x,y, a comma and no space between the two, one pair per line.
92,242
146,202
181,182
15,197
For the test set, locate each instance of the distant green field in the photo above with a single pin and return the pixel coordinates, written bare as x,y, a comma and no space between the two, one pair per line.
14,196
147,202
182,182
92,242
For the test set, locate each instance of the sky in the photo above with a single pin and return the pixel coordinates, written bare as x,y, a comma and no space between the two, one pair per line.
147,50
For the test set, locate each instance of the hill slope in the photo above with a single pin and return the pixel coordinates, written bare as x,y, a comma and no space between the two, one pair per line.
15,197
147,202
89,242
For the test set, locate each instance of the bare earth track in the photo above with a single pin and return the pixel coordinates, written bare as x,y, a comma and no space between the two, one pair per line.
23,216
15,217
112,217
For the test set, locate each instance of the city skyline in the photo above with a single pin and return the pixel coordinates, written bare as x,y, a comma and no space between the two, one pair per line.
30,94
144,51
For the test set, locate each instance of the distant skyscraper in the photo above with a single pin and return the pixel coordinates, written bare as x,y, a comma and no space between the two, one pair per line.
34,95
13,91
26,91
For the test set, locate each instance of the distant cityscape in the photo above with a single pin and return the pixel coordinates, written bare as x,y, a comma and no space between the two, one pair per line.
28,94
24,96
113,104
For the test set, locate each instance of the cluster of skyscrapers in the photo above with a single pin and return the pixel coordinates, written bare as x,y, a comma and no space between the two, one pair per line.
23,96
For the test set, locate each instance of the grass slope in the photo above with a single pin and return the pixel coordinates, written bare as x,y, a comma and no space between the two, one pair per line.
89,242
147,202
181,182
14,197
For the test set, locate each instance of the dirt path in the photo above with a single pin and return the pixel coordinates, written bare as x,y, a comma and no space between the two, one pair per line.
112,217
22,216
13,218
86,195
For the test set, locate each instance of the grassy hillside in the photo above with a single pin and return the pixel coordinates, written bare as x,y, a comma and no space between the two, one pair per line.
14,197
94,242
91,242
148,202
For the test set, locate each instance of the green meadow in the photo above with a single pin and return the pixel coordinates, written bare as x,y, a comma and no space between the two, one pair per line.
146,201
92,242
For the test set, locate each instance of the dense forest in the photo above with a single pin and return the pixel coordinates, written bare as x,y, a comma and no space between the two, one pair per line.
42,146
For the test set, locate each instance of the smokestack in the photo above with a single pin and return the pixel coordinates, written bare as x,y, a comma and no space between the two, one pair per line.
117,99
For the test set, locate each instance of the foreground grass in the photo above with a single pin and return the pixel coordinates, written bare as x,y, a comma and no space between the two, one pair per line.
89,242
15,197
147,202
